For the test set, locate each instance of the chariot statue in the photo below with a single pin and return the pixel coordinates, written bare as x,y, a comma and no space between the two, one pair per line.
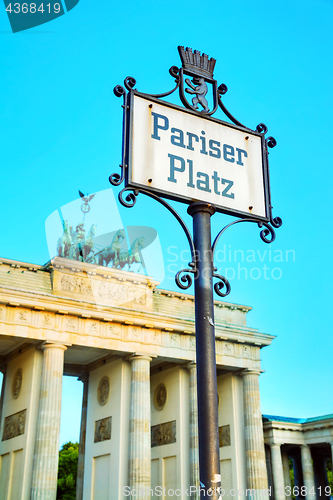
78,246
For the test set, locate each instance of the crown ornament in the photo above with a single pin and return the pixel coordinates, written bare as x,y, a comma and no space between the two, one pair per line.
196,62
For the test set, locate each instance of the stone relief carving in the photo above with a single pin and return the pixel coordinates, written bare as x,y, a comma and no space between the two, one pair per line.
163,434
102,429
246,352
224,435
70,324
17,383
114,331
227,349
156,338
175,339
76,284
14,425
23,316
160,397
47,320
93,328
135,333
103,391
112,291
192,342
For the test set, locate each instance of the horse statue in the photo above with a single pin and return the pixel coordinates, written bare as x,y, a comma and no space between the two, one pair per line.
134,255
88,244
65,242
112,251
78,238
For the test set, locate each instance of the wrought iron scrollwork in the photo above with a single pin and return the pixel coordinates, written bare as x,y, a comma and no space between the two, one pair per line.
184,282
262,128
263,234
129,82
221,284
276,222
267,234
223,89
174,72
130,199
115,178
268,231
271,142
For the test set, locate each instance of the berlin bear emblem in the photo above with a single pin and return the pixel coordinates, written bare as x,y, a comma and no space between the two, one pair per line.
200,89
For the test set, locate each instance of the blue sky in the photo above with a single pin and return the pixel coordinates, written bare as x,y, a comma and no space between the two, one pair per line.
61,131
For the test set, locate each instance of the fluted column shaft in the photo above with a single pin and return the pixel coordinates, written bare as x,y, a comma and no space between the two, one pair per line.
194,437
277,468
2,396
254,438
45,464
139,438
308,474
269,467
82,444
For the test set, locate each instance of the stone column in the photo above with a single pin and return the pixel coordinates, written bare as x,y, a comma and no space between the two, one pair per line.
2,397
194,437
269,468
256,473
286,469
45,463
82,444
308,475
139,456
277,468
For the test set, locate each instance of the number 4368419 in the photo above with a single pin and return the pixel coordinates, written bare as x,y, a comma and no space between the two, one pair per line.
32,8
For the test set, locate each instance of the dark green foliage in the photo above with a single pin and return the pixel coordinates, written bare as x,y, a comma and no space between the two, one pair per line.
67,471
329,474
292,478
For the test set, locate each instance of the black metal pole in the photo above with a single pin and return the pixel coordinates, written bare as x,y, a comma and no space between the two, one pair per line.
209,459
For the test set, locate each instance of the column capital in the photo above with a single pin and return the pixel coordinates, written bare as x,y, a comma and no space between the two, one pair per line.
250,371
55,345
276,445
137,356
191,365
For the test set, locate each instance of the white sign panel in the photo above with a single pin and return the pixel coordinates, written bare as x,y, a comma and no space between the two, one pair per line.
183,156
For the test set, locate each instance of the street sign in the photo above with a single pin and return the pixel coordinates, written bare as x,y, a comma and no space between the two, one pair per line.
185,156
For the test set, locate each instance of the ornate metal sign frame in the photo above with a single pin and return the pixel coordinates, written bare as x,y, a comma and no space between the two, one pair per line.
198,67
